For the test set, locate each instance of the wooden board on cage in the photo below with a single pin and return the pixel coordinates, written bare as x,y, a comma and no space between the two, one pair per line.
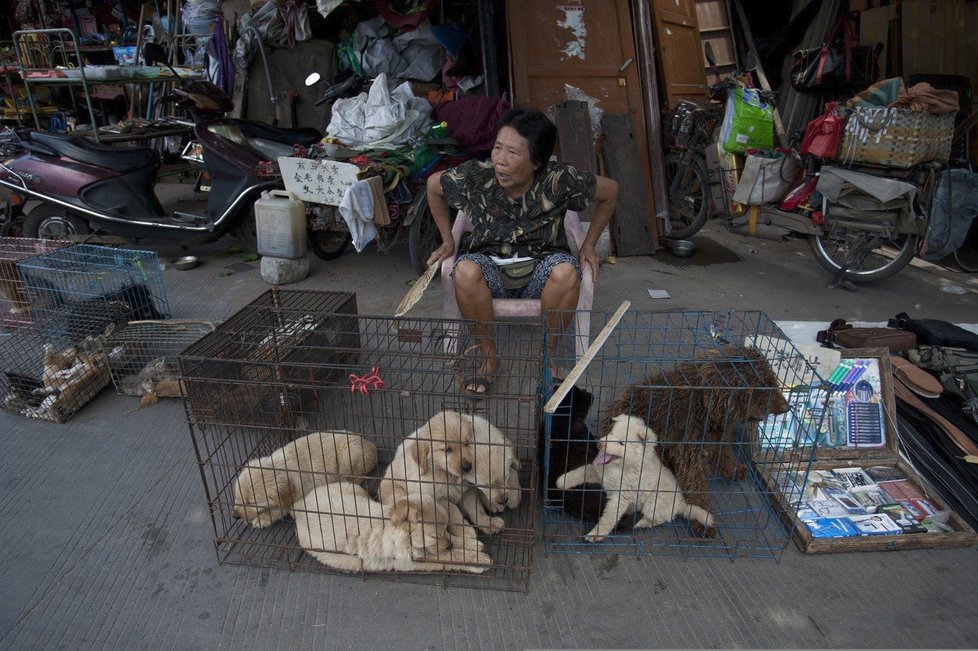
685,388
857,474
15,304
142,356
361,380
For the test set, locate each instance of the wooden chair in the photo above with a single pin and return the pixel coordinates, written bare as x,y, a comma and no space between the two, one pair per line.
520,307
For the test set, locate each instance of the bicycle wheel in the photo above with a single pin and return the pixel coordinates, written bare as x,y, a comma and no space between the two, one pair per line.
423,237
688,199
867,256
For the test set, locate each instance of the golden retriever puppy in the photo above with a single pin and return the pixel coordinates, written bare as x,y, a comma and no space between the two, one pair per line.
341,527
266,488
632,475
495,483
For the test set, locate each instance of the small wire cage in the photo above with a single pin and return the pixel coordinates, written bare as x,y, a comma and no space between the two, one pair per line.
48,375
142,356
712,408
15,304
265,386
87,280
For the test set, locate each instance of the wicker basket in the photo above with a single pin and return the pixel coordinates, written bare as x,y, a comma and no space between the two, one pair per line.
894,137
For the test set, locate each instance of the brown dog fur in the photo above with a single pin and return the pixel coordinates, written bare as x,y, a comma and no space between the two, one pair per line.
694,407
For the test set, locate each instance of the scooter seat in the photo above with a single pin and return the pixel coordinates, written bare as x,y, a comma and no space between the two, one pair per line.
88,151
304,136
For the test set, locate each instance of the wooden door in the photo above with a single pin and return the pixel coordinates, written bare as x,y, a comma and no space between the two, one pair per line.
680,55
587,44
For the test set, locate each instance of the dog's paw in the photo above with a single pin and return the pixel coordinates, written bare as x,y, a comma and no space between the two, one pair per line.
493,507
593,537
700,530
644,523
562,482
492,526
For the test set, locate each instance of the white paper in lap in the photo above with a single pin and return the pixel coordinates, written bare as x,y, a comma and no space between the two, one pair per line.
318,181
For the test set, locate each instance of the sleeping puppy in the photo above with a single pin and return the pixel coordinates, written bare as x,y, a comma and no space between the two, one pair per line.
266,488
636,480
572,446
495,482
342,527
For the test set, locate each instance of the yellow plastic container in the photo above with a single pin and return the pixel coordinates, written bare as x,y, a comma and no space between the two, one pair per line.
281,224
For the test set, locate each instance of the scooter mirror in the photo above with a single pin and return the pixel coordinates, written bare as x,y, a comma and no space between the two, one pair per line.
313,79
154,53
710,57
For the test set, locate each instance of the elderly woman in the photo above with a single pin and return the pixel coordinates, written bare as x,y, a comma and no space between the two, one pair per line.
516,202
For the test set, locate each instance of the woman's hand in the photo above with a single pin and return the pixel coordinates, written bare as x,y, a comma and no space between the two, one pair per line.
441,253
587,255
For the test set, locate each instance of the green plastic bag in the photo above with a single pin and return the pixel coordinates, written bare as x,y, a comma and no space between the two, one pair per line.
748,122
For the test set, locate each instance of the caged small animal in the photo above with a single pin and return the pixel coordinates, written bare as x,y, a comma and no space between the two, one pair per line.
695,407
96,315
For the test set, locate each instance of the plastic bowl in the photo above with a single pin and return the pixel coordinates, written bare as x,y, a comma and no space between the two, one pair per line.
680,248
186,262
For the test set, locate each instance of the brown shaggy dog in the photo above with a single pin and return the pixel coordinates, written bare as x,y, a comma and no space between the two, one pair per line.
694,406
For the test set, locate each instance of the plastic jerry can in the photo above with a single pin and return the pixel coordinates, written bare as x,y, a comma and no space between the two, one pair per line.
281,224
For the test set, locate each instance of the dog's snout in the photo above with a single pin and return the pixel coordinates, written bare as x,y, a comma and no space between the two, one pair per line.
237,516
466,466
502,499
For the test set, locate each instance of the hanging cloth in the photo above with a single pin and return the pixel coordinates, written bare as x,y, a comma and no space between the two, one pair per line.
222,55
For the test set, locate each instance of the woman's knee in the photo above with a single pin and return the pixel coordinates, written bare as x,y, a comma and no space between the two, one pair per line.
468,275
564,276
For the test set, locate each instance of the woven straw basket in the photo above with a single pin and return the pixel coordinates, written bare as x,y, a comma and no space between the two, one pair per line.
894,137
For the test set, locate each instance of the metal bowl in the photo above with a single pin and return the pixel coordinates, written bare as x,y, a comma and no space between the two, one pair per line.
186,262
680,248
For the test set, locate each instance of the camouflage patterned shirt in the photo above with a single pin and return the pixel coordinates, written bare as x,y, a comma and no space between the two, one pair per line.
530,225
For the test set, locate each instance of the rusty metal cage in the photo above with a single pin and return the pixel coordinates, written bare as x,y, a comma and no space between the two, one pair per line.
47,374
142,355
15,304
294,364
711,406
87,280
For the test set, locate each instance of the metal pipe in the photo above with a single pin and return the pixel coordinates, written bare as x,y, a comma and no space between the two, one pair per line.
264,62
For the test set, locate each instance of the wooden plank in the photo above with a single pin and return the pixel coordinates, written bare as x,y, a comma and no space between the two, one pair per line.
779,130
575,137
630,225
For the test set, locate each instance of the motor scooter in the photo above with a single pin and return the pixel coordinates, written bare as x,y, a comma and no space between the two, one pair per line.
84,186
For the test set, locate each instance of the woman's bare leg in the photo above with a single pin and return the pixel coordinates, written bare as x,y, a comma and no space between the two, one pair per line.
560,292
475,302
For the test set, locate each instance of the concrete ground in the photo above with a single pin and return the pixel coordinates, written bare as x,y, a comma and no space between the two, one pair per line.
108,540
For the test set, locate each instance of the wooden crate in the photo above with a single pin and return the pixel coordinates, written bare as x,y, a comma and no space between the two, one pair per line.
850,457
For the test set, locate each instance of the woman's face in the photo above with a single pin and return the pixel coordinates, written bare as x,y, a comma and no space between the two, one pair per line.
511,162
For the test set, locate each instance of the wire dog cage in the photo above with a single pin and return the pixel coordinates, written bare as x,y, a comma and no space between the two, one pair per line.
297,385
89,281
15,305
695,412
142,356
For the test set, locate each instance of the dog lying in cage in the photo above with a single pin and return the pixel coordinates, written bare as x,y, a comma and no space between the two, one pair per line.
266,488
572,446
634,478
343,528
695,406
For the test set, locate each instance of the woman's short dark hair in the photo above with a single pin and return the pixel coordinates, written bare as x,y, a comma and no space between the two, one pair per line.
539,131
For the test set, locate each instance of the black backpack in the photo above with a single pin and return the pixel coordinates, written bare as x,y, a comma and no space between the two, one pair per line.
934,332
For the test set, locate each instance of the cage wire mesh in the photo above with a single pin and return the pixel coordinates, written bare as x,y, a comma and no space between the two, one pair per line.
48,375
15,305
88,282
297,377
142,356
715,407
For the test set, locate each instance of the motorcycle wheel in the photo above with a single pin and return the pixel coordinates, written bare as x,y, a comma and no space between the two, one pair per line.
246,231
868,256
423,237
328,245
688,195
50,222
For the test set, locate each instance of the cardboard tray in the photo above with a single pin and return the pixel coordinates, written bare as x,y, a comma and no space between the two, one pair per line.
828,458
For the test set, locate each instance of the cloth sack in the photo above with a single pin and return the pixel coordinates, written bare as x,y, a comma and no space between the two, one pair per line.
766,179
748,122
473,120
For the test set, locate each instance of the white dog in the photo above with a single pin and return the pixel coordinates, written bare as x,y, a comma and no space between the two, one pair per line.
634,478
341,527
266,488
495,481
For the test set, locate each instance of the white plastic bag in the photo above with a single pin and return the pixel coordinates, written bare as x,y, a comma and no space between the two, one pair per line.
379,119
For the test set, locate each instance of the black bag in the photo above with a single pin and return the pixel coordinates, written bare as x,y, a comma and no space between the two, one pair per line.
844,334
832,69
934,332
518,274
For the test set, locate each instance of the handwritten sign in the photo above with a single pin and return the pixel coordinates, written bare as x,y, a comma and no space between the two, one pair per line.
317,181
